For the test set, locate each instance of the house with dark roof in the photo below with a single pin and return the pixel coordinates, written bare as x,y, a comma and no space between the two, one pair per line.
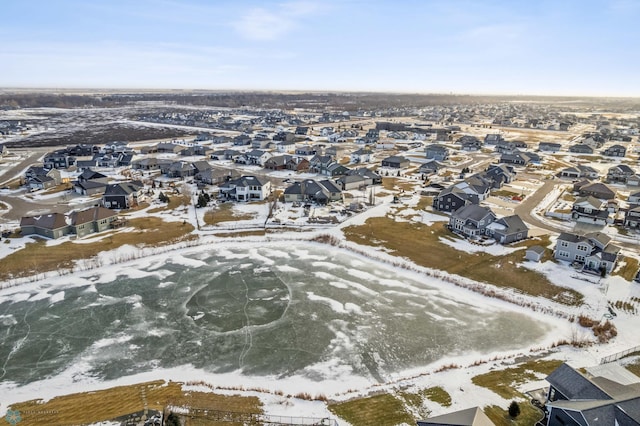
534,253
471,220
89,221
51,225
169,148
181,169
619,173
591,210
615,151
549,146
375,178
395,162
604,397
581,149
595,189
493,138
632,218
437,152
498,174
245,188
508,229
309,190
580,171
277,162
122,195
470,191
592,250
216,176
516,157
430,167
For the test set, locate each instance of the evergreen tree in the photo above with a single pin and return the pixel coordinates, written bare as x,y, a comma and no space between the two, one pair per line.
514,409
173,420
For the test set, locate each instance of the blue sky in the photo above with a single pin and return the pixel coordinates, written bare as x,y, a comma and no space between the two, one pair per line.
559,47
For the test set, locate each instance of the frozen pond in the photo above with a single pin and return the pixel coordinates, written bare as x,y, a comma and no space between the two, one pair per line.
274,309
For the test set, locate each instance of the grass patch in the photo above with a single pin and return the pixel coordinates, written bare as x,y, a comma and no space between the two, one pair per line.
37,257
103,405
225,213
424,202
504,193
421,244
439,395
529,415
395,184
634,367
380,410
175,201
240,234
629,270
504,382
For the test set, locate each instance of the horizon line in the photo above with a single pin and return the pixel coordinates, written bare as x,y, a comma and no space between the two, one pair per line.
285,91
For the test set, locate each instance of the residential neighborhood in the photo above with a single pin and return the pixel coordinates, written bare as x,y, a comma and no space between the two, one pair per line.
524,186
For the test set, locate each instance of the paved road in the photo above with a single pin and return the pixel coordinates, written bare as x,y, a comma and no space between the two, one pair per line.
530,202
525,208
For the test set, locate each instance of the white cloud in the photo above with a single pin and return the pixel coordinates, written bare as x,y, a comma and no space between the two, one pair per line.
265,25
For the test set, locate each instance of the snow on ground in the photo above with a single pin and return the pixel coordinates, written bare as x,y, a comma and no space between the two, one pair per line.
467,246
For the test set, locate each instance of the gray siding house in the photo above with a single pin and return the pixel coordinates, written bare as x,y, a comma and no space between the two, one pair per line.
592,250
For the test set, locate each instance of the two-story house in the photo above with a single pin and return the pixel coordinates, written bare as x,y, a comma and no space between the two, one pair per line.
471,220
592,250
619,173
591,210
245,188
615,151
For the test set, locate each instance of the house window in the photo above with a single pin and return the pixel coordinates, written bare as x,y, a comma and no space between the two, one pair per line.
579,258
582,247
563,254
564,244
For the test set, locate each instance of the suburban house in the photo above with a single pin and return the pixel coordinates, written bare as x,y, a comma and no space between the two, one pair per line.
591,250
437,152
277,162
297,164
41,178
376,179
516,157
150,163
59,159
430,167
89,221
549,146
508,229
245,188
633,180
169,148
620,173
493,138
470,191
310,190
632,218
51,225
395,162
181,169
581,149
596,189
362,155
471,220
122,195
498,175
319,163
469,417
615,151
353,181
80,223
606,395
216,176
307,150
580,171
591,210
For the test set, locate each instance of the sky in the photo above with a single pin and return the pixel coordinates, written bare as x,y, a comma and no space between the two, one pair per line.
534,47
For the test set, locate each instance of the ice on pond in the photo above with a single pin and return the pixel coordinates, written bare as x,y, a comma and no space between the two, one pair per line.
272,310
